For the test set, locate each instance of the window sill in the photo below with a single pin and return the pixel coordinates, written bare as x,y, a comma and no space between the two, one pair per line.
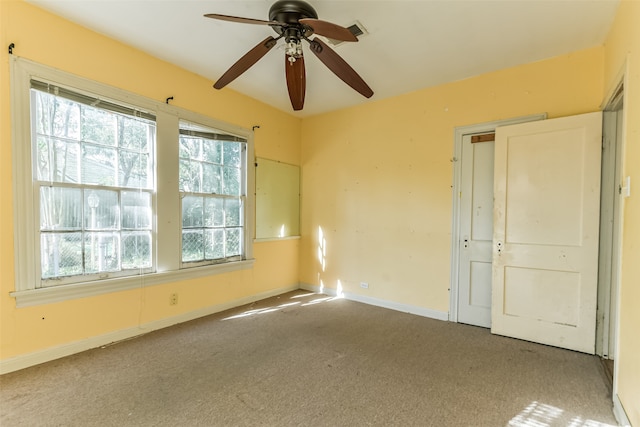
55,294
274,239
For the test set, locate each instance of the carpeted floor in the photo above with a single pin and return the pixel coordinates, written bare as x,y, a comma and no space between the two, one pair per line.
304,359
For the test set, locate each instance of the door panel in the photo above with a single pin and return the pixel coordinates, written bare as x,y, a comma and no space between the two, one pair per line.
546,223
540,295
480,286
538,181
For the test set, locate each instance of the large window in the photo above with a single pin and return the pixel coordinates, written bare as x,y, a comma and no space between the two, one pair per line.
94,176
113,190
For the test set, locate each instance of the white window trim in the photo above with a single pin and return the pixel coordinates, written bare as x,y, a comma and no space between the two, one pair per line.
168,230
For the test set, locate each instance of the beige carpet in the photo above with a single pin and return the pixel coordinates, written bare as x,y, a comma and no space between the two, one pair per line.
306,360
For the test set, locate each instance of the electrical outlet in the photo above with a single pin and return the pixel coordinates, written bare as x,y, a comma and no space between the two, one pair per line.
364,285
173,299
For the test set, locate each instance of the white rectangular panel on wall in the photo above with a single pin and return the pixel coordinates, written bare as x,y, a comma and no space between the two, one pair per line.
277,199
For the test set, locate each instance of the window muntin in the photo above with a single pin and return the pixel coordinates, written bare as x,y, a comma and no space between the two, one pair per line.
93,164
212,194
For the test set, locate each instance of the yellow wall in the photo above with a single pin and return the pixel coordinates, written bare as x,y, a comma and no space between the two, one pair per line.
622,51
377,178
50,40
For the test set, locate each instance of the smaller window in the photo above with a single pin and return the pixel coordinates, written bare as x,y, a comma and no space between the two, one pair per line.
212,180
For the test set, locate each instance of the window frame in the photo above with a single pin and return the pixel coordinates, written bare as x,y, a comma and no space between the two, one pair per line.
39,183
165,196
201,132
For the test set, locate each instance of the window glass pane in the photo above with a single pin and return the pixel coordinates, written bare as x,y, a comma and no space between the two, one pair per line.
211,179
136,249
190,148
98,165
212,151
58,157
102,251
232,154
233,238
214,244
102,210
66,161
98,126
136,210
43,161
57,116
192,211
61,254
133,134
60,208
213,212
133,170
192,245
232,212
42,112
190,176
231,180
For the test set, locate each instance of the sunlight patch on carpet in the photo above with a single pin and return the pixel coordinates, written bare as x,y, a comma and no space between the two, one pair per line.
264,310
542,415
261,311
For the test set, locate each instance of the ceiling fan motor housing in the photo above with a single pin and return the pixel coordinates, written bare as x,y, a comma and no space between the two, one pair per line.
290,12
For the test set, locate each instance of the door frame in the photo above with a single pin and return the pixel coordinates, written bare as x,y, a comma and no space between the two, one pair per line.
459,133
609,262
621,80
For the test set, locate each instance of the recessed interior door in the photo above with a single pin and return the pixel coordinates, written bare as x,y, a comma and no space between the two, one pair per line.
545,232
476,231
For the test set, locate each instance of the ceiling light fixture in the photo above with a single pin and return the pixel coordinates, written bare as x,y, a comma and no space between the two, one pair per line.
296,21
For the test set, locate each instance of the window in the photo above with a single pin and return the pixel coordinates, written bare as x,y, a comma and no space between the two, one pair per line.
111,187
212,194
94,176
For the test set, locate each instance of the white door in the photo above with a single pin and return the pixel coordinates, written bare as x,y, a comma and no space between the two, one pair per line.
546,222
476,232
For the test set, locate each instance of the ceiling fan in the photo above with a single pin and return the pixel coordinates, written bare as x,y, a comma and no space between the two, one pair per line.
295,21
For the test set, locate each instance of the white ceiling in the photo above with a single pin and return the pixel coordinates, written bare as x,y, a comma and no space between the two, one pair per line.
411,44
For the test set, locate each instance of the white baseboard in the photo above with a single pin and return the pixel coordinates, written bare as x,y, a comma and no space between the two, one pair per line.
41,356
619,412
420,311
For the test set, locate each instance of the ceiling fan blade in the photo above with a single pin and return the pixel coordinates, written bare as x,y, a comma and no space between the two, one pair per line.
296,81
328,29
240,19
340,68
244,63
